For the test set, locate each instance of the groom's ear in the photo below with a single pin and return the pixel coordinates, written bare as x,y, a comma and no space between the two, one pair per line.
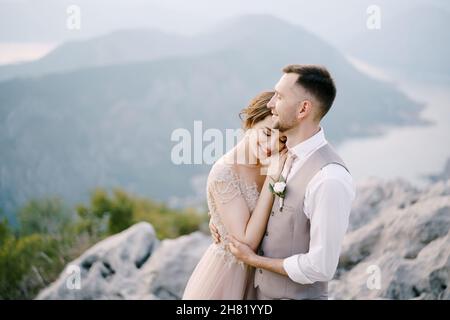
304,108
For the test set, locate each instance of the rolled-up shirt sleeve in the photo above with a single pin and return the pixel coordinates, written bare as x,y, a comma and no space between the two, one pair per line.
330,208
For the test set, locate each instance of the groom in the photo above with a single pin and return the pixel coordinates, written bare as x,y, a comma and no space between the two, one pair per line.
300,250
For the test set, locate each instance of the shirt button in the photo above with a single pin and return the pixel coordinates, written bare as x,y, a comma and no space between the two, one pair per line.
273,213
267,234
260,271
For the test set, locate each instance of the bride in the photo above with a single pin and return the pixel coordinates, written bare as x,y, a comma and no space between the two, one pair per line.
239,203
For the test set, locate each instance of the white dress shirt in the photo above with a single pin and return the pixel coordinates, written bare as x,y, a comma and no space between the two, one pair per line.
328,200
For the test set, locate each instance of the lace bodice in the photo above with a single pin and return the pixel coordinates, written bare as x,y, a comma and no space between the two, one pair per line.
223,185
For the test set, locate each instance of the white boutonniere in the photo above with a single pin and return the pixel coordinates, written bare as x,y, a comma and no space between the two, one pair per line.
279,189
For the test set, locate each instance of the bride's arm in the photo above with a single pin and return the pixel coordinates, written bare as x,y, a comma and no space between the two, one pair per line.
246,227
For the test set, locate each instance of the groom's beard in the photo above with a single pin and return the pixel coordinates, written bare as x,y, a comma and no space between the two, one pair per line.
282,128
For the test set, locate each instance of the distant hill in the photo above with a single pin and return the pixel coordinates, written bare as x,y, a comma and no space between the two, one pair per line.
136,45
109,125
117,47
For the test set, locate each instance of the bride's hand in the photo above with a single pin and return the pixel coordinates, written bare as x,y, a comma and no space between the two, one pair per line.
276,164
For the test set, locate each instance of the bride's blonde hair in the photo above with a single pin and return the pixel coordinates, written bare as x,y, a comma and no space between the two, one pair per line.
256,110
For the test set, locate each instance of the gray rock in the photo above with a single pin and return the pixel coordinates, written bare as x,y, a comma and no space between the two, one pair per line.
108,270
406,245
374,195
132,265
169,269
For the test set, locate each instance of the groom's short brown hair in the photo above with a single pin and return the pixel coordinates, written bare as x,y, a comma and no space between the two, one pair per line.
317,81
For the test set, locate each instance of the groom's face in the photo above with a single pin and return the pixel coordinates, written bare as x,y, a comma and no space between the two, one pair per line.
286,102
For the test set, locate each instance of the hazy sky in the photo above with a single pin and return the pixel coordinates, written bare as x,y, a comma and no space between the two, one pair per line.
43,22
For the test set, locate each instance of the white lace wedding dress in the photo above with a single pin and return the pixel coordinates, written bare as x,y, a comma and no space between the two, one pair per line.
219,275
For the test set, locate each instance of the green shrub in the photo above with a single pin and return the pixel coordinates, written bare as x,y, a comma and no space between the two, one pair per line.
44,216
120,210
50,236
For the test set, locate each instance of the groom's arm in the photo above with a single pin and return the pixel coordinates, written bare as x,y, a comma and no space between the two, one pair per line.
328,206
270,264
329,212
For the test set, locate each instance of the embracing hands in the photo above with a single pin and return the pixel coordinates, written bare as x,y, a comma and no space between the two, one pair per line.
276,164
239,249
214,232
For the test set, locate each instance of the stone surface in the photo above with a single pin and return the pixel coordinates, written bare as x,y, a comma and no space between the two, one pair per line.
133,264
405,245
397,247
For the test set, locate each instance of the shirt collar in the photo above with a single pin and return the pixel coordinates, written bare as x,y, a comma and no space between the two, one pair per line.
310,145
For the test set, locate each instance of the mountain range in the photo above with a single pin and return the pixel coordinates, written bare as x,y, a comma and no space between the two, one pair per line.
101,112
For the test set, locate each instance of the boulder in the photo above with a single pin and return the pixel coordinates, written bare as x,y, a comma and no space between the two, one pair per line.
405,249
108,270
133,264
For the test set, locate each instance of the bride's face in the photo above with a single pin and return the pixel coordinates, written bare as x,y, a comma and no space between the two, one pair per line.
265,141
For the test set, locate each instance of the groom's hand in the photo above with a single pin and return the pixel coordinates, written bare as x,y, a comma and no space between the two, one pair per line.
214,232
240,250
244,253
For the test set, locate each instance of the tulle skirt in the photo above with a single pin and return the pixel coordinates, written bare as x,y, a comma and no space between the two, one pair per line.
219,276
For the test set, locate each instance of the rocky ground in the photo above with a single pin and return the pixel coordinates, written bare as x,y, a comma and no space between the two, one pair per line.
397,247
